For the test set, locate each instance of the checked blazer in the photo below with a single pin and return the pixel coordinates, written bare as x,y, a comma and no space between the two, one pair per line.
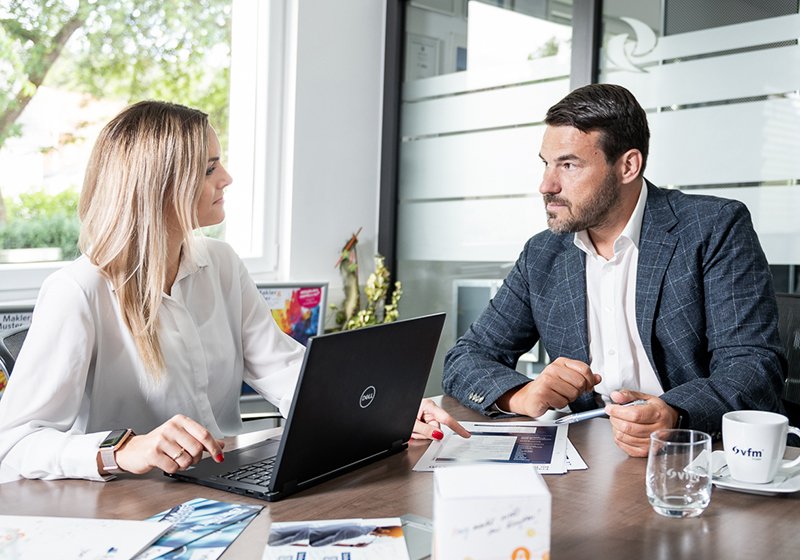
705,310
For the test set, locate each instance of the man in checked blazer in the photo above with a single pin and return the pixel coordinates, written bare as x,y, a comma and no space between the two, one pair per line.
636,292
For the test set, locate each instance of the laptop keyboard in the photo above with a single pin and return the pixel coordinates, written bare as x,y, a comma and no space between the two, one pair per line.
257,473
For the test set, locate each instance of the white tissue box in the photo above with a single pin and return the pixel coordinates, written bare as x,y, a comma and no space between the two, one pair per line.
487,512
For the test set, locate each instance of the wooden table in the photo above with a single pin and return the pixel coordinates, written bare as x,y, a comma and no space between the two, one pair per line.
598,513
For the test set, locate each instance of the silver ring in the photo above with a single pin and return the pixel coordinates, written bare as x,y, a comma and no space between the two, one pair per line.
176,457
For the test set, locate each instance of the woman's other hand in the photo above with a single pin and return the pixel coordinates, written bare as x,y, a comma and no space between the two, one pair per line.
430,418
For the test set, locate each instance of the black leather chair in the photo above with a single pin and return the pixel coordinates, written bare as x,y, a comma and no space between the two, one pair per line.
10,344
789,328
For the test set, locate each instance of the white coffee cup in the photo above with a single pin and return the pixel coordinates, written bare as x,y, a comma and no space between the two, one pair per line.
754,443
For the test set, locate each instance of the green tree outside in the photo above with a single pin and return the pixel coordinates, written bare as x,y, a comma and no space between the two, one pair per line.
178,50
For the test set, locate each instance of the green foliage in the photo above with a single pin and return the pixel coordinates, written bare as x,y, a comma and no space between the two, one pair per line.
38,205
54,231
39,219
549,48
376,310
126,49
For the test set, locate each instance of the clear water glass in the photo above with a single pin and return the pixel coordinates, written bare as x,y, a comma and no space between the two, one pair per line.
679,472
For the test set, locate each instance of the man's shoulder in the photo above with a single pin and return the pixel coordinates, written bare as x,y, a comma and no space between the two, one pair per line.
693,211
682,201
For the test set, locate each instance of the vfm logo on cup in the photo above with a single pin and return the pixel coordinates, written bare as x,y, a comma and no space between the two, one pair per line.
367,397
683,475
749,452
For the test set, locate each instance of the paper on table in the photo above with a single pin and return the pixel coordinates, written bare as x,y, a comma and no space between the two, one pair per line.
574,460
211,546
71,537
339,539
193,520
542,444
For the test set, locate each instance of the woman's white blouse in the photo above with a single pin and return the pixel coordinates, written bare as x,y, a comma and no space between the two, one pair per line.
79,374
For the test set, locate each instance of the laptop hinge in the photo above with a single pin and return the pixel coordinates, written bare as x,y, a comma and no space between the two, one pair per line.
398,445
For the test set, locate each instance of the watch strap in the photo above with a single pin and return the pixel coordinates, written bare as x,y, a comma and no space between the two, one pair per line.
108,453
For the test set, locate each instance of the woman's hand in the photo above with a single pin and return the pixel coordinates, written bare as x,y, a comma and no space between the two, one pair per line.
175,445
430,418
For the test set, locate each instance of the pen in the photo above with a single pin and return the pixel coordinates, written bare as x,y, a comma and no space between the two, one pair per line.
595,413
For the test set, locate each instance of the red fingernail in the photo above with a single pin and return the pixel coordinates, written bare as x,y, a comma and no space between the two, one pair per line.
437,434
219,458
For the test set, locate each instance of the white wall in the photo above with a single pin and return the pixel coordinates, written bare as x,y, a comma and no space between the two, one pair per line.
336,144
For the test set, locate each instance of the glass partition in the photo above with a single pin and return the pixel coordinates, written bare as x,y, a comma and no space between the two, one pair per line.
479,77
720,81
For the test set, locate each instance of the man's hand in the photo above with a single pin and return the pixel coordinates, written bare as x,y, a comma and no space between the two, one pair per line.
175,445
632,425
560,383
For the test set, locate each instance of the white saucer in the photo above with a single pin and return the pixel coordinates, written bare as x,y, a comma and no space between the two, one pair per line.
783,483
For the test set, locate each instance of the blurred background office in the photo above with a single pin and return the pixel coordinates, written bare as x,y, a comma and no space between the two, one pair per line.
419,121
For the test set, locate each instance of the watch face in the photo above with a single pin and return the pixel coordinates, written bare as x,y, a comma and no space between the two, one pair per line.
113,438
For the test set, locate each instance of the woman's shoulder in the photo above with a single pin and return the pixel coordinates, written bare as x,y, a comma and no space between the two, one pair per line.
78,285
80,274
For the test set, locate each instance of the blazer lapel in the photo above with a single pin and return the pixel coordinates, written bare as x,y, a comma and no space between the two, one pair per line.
570,270
656,247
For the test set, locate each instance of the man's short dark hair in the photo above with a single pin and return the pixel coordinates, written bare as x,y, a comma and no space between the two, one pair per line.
610,109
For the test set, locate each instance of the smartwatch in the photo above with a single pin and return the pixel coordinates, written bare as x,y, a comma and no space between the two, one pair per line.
108,448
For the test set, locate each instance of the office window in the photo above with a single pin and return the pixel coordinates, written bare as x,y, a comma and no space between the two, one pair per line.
215,55
720,83
479,77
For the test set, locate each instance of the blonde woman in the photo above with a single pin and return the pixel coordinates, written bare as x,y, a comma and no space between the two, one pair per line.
153,329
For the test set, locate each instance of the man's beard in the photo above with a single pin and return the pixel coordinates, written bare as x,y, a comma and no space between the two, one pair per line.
591,214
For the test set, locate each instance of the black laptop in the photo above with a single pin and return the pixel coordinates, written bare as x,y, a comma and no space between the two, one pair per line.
355,402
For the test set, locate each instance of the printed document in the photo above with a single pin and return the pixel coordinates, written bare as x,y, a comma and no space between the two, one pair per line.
340,539
542,444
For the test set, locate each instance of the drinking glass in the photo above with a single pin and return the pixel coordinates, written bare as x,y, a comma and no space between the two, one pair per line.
679,472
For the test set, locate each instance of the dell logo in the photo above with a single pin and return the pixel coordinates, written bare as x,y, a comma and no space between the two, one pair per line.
367,397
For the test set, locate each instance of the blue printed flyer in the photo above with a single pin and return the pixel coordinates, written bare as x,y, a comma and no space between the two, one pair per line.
201,530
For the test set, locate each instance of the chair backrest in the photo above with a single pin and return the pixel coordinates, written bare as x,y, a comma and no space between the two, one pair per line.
789,329
10,344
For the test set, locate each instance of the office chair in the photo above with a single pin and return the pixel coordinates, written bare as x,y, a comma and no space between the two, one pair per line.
789,329
10,344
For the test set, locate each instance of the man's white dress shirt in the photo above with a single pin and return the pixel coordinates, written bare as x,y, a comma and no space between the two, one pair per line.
616,351
79,374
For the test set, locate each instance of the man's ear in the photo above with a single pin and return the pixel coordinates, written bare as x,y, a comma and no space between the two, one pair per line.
630,165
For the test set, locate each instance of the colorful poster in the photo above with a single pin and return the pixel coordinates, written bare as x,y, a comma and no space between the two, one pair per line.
297,310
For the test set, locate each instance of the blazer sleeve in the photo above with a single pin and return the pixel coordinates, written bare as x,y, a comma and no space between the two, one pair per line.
479,369
744,358
42,423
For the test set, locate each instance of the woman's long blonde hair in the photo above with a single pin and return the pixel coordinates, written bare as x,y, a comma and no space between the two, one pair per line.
142,185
